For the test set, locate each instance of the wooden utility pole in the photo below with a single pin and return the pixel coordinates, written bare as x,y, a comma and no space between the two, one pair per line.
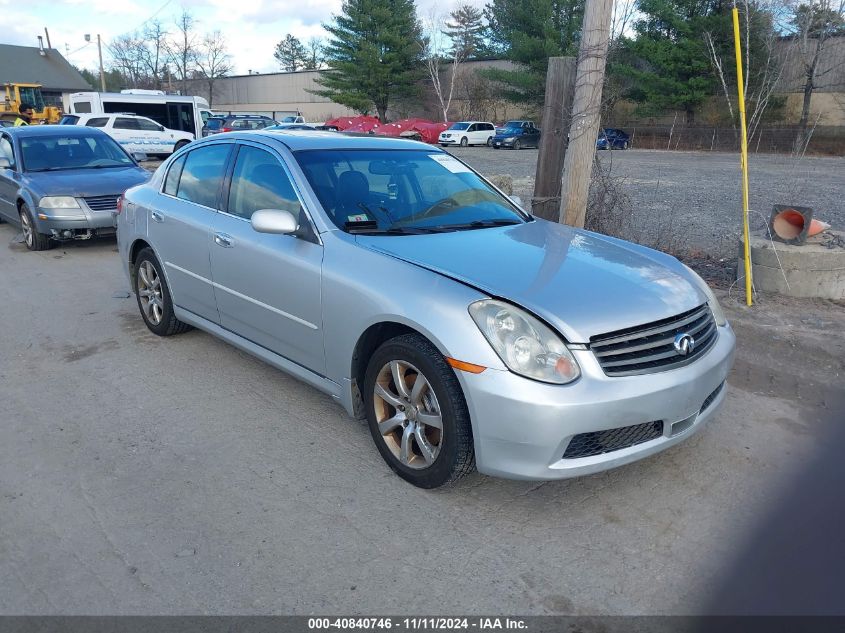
586,112
557,111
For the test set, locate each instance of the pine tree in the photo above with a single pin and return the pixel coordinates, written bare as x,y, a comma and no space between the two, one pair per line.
528,32
291,54
467,31
670,64
375,54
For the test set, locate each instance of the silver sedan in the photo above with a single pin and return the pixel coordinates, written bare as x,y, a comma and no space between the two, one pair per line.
390,275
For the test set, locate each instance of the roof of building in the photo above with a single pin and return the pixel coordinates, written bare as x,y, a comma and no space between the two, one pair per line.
26,64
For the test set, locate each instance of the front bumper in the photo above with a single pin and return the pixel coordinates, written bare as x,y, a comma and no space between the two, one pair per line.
82,219
503,142
522,428
449,141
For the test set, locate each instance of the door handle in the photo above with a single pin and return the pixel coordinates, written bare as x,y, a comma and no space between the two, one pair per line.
156,216
221,239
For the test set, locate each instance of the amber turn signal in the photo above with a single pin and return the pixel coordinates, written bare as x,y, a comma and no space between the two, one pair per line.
468,367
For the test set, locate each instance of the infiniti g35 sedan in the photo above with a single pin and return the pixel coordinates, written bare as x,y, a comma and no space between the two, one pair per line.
390,275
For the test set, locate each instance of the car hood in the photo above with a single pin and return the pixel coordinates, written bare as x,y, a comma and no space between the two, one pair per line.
582,283
85,182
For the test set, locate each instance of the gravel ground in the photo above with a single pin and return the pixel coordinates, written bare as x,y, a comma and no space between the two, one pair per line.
687,202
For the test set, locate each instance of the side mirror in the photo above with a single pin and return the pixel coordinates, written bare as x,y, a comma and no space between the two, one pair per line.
275,221
517,201
161,128
5,163
140,156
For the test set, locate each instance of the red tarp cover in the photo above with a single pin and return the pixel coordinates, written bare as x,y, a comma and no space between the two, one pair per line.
344,123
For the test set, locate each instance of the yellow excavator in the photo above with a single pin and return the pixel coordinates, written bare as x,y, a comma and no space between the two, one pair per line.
31,94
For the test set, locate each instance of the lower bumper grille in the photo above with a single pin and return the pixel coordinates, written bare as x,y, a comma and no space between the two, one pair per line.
598,442
102,203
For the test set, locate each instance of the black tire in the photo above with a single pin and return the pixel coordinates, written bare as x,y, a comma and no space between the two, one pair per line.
517,144
625,145
489,141
464,141
168,325
180,145
34,240
456,456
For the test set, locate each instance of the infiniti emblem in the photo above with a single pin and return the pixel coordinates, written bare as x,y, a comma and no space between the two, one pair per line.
684,344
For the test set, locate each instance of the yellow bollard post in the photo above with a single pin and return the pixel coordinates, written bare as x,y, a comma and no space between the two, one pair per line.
744,157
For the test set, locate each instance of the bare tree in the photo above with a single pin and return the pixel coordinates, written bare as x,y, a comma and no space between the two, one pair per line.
153,54
439,56
127,58
181,48
763,69
314,53
213,61
814,24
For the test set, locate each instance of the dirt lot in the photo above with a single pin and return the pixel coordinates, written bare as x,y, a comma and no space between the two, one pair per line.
694,196
147,475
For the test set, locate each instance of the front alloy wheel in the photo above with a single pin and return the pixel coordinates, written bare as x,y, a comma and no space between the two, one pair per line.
417,413
408,414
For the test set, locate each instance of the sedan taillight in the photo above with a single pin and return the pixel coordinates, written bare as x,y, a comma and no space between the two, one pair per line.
226,129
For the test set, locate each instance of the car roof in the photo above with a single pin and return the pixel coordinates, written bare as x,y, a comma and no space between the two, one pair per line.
296,140
34,131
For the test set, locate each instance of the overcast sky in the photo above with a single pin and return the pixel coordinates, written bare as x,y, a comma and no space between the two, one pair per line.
251,28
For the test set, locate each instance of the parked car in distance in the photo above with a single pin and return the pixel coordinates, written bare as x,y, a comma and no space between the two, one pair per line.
133,132
292,119
517,135
611,138
290,126
419,296
62,182
466,133
236,123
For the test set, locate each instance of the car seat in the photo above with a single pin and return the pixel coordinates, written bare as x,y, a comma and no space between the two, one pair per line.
36,156
353,190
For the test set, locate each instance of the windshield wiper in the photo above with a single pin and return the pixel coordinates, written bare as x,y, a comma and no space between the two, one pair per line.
478,224
366,228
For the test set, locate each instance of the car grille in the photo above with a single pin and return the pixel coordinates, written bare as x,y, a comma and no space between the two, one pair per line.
102,203
650,348
598,442
709,399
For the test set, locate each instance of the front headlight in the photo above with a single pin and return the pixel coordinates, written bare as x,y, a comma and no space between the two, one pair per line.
527,346
712,301
509,139
58,202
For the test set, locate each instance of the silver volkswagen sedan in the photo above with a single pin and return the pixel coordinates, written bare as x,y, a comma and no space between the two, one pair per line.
392,276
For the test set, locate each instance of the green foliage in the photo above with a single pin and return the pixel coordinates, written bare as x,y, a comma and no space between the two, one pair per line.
291,54
668,61
467,31
528,32
375,54
114,81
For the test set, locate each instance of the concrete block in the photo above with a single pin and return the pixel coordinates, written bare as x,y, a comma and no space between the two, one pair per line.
813,269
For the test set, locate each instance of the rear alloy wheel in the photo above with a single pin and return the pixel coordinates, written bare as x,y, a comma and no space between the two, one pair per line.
34,240
625,145
489,141
417,413
180,145
464,142
153,296
517,144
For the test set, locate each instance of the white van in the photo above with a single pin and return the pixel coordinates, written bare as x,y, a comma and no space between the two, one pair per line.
174,112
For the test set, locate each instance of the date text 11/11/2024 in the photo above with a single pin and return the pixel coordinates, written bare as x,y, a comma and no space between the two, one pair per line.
418,623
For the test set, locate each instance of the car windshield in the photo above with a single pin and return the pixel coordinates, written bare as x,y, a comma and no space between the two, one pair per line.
513,125
403,191
214,124
55,153
459,126
69,119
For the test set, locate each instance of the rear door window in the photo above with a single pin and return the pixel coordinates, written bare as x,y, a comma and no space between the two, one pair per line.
202,174
98,122
171,183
